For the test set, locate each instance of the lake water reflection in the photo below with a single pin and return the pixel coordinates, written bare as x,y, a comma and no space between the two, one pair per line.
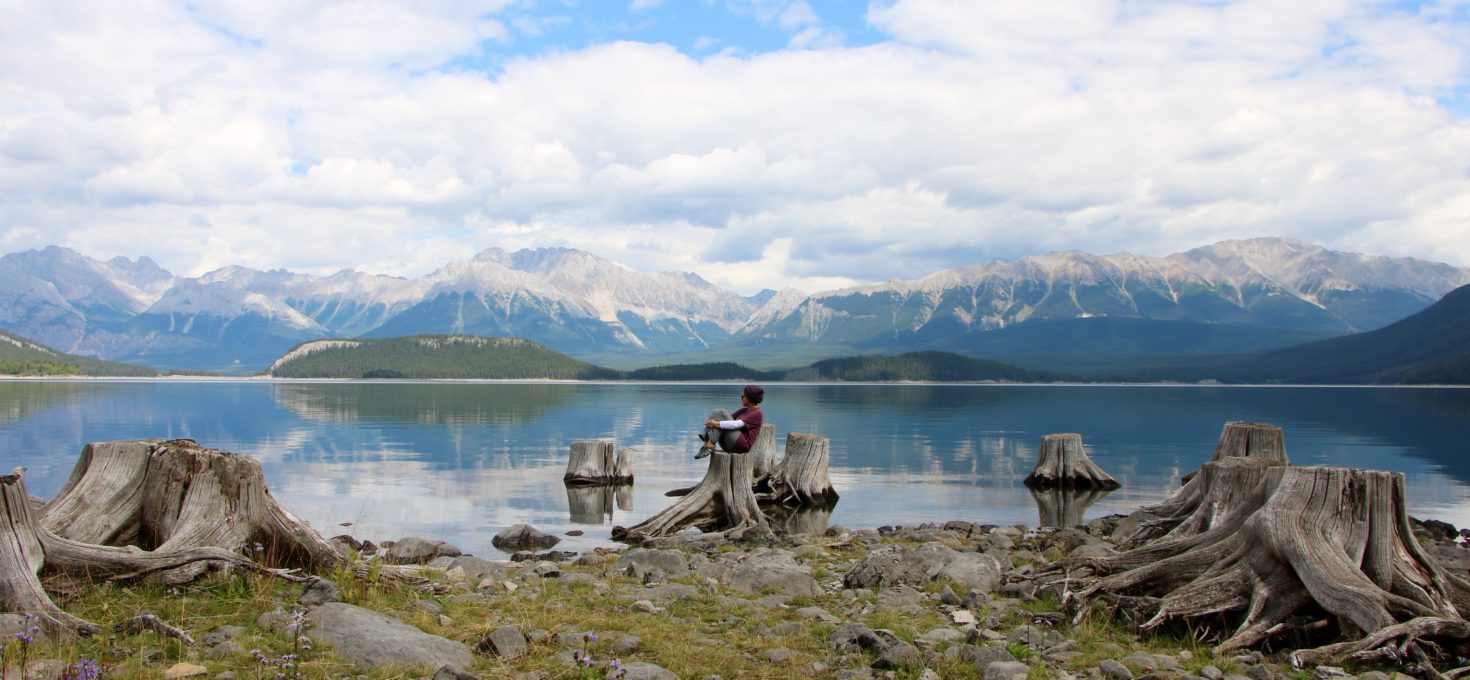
461,461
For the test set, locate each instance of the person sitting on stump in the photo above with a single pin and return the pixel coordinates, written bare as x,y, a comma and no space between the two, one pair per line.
737,433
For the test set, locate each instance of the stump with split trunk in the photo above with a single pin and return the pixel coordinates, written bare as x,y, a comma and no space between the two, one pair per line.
173,495
801,478
722,502
595,461
30,552
1313,555
1061,462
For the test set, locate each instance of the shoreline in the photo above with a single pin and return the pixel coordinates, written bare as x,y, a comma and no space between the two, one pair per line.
558,381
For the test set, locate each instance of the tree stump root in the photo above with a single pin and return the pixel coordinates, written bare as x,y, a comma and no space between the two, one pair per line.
721,503
1268,543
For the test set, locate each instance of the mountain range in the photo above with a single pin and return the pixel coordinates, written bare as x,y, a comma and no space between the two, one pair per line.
1040,312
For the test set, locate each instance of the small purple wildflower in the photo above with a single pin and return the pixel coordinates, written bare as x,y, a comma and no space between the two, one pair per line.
591,638
85,669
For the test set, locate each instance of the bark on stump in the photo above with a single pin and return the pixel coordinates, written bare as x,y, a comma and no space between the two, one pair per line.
1248,440
168,496
722,502
30,552
595,461
763,453
1063,508
1061,462
801,478
1277,545
1211,497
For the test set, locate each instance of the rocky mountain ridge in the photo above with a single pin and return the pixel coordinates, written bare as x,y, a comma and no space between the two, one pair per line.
241,319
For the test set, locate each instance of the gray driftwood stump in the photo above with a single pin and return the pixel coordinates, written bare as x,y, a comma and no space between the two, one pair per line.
801,478
595,462
1271,551
722,502
1061,462
180,510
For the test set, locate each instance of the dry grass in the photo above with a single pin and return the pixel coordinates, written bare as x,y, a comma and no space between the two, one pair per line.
723,633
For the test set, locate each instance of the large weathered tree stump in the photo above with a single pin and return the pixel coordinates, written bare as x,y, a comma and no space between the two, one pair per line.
166,496
722,502
801,478
595,461
1061,462
1248,440
1061,507
1315,553
29,552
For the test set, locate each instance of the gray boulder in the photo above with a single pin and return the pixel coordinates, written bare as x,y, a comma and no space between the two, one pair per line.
374,641
319,591
414,550
855,637
928,562
1005,670
638,670
1114,670
776,572
506,642
639,562
474,570
898,656
523,537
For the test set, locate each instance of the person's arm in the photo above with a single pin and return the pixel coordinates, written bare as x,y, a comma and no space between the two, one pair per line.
732,424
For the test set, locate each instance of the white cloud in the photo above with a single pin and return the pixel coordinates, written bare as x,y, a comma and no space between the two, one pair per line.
317,136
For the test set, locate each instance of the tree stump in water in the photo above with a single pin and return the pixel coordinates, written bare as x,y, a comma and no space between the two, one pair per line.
28,551
1063,508
722,502
594,461
801,478
1275,546
1062,462
168,496
1248,440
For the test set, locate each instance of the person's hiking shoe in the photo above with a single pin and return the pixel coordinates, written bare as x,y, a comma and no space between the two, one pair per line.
705,451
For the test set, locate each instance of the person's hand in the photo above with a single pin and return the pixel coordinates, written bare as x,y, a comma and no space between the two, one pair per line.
711,423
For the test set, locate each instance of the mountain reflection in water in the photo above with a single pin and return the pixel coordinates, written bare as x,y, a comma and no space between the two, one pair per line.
462,460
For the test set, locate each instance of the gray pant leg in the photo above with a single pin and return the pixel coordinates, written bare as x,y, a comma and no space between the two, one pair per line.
726,438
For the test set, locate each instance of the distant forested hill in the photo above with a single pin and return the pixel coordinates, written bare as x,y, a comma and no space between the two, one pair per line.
916,366
20,356
723,370
433,357
1432,346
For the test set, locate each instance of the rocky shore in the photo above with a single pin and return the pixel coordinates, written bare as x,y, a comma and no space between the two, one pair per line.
952,600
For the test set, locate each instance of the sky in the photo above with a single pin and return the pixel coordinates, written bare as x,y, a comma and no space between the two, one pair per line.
812,144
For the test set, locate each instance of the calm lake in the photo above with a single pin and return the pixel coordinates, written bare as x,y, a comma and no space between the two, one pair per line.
461,461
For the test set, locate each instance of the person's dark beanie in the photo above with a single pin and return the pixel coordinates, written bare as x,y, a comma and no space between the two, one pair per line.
754,393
